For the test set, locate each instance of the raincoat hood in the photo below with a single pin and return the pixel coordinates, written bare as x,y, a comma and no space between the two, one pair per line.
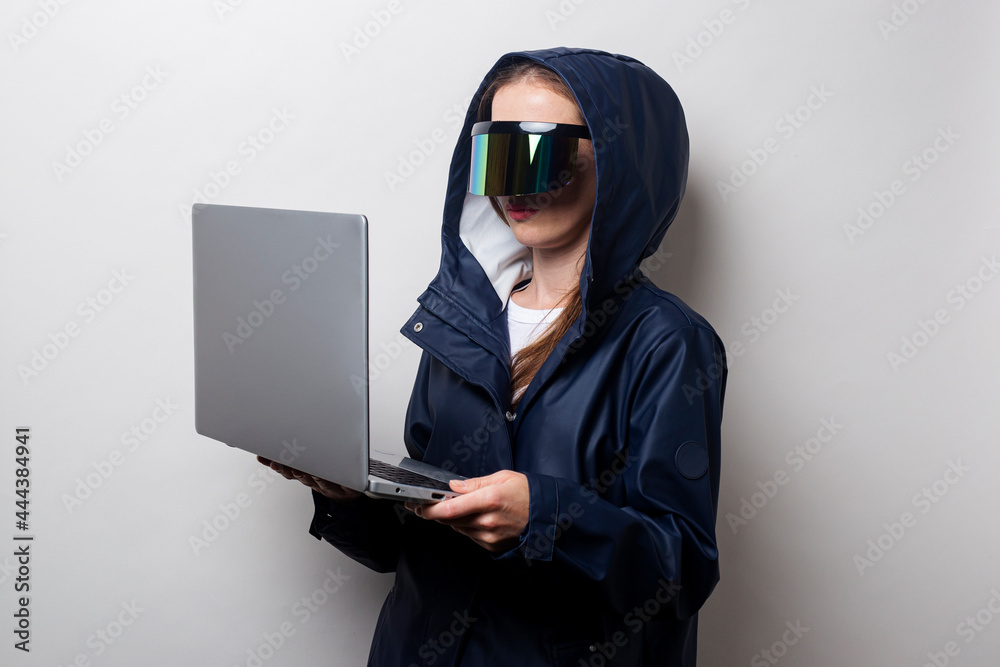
641,154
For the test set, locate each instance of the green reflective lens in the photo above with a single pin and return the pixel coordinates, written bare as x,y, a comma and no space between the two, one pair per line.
508,160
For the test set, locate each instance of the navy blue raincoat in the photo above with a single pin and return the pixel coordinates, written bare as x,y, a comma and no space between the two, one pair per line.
618,433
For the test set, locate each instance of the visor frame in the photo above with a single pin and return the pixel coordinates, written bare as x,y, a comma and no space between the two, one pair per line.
531,127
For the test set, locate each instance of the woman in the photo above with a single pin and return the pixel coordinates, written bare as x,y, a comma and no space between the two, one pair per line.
586,532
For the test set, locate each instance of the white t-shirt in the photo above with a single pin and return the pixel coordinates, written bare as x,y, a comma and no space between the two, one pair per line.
526,324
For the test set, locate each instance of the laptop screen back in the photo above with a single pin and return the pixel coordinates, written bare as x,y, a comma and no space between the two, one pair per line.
281,334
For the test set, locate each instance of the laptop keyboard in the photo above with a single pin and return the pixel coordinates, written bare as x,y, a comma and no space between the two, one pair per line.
403,476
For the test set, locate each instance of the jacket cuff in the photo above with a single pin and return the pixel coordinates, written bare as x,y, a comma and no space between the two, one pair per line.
329,512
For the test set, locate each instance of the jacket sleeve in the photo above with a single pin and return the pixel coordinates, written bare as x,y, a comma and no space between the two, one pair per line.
660,543
367,529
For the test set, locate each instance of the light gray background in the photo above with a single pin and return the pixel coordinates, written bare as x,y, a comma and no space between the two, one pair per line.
353,118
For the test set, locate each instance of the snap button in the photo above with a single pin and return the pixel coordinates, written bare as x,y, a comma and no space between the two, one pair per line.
592,648
418,326
511,415
691,459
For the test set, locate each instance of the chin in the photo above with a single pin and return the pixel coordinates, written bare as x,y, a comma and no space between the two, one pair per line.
534,239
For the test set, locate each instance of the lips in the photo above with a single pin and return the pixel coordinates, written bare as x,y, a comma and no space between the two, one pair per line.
521,212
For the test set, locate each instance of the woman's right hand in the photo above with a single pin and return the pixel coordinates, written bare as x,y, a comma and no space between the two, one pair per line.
328,489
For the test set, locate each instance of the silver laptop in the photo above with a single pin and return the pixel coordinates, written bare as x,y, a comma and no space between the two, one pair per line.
281,346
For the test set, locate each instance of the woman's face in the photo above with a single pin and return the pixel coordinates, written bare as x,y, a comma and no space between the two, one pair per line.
559,218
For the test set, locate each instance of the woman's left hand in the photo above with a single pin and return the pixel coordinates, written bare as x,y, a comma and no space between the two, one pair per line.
492,510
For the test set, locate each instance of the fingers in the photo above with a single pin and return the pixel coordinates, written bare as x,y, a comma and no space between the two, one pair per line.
492,510
474,483
463,486
291,473
335,491
476,498
322,486
283,470
468,504
326,488
467,525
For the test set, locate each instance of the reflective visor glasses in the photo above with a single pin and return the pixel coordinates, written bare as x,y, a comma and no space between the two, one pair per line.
523,157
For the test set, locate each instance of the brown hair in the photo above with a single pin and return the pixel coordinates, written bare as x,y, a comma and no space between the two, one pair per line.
529,359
